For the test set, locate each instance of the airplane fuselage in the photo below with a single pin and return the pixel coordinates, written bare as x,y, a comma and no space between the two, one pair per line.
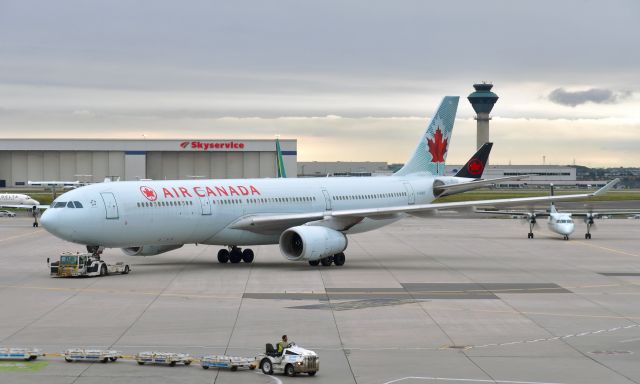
129,214
17,199
561,223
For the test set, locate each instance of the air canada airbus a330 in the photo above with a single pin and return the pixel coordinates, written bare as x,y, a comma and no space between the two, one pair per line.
309,218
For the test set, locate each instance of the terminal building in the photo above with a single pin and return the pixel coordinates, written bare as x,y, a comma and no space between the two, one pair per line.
92,160
539,175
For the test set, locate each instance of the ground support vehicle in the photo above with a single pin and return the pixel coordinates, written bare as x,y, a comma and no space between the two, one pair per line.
84,265
166,358
231,362
5,213
101,355
293,360
7,353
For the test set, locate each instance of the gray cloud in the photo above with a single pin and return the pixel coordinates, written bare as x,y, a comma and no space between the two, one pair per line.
595,95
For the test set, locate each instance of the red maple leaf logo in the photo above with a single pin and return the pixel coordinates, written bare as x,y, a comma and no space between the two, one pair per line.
437,147
149,193
475,167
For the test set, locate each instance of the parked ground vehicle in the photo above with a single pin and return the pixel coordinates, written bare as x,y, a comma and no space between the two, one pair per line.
293,360
101,355
8,353
84,264
167,358
231,362
5,213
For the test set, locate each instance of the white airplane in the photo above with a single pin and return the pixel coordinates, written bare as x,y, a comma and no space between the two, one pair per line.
310,218
55,184
17,200
560,222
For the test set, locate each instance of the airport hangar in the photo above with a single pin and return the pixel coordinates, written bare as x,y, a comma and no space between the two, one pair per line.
91,160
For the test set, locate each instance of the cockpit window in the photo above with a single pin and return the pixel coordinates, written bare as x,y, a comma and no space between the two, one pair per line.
70,205
60,204
77,203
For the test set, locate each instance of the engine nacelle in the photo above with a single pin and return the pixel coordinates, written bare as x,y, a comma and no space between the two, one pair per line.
150,250
308,242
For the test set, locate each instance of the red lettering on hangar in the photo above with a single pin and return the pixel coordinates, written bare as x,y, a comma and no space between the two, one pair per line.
239,190
211,145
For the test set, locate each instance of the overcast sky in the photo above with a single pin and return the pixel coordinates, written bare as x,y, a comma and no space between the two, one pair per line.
351,80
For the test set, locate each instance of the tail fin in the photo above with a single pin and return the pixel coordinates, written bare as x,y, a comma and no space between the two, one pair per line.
475,166
552,207
431,152
279,162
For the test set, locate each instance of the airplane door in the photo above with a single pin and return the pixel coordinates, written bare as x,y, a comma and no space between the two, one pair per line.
411,197
205,203
110,205
327,199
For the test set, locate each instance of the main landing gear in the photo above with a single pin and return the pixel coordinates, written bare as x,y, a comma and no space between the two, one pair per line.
532,223
587,235
566,237
338,259
235,255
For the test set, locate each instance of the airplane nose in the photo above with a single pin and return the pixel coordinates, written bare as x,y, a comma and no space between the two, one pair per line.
46,220
567,229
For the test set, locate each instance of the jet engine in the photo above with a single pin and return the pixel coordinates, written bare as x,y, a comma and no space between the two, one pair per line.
308,242
150,250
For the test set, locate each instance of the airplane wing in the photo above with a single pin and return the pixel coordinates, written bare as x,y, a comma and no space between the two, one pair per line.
513,213
598,213
451,189
271,223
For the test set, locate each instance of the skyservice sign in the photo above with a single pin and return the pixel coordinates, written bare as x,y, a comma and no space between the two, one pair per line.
212,145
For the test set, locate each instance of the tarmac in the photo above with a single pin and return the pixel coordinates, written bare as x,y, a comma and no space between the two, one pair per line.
421,301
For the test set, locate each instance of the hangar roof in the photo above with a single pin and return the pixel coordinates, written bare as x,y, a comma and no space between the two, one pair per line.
149,145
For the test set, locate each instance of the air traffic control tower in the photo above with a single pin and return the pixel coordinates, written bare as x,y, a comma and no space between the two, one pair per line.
482,101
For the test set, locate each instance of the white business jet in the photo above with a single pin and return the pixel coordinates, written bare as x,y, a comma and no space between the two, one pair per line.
310,218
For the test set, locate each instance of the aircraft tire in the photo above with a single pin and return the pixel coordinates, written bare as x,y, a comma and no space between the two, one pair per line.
326,261
247,255
339,259
314,263
223,256
235,256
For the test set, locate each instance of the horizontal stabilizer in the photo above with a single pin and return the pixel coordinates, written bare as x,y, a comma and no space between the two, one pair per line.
452,189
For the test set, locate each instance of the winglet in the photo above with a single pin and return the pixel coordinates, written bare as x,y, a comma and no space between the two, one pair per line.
606,188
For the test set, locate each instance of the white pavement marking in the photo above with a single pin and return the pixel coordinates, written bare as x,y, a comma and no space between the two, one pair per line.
273,378
630,340
467,380
587,333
